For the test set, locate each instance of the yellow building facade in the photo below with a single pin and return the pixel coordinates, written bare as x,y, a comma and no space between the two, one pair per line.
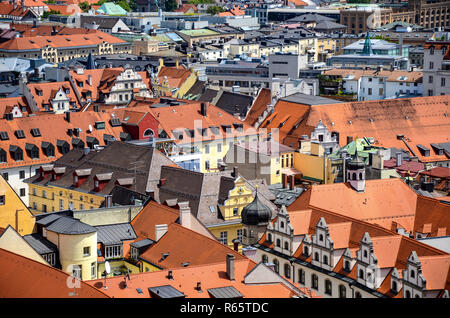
44,199
13,211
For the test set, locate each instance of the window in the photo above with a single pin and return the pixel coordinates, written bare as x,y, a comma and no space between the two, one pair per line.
223,238
113,251
76,271
206,165
314,282
86,251
269,237
305,251
2,200
44,194
301,276
93,275
278,243
265,259
6,176
316,256
361,274
239,235
44,208
22,192
370,91
328,287
276,266
347,266
443,81
219,147
365,253
394,287
431,65
287,270
22,174
430,79
206,148
282,225
413,274
325,260
342,291
321,237
358,295
235,211
408,294
286,245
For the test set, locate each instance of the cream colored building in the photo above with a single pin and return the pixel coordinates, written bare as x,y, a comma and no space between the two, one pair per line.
143,46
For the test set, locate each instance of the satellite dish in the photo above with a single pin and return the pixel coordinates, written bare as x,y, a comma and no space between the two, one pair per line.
107,267
90,128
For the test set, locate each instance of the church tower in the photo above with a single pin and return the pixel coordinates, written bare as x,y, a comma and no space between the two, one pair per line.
356,174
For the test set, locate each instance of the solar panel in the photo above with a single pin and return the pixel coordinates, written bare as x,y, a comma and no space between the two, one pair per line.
4,135
20,134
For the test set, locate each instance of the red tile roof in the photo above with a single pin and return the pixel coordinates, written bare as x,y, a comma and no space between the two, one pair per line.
185,280
21,277
259,106
432,215
176,76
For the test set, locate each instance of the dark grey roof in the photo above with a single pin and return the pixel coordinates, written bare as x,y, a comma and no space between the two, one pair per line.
310,99
329,25
165,291
234,103
142,243
196,89
285,196
208,95
256,212
225,292
310,17
104,22
40,244
67,225
48,219
115,233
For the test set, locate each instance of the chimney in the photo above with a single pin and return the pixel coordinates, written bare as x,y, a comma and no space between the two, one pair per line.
349,139
230,266
160,230
185,214
292,182
170,275
68,117
235,172
108,201
398,159
199,287
162,182
90,80
284,180
203,109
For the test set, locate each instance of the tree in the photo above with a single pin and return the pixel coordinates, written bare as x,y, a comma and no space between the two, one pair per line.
213,10
46,14
201,1
170,5
84,6
124,4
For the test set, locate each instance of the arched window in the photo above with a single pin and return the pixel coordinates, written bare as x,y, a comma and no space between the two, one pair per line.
305,250
276,265
347,266
286,245
316,256
278,243
358,295
287,270
325,260
321,237
314,281
417,296
361,274
301,276
269,237
328,287
354,176
265,259
365,253
148,132
413,274
245,232
394,286
360,176
342,291
408,294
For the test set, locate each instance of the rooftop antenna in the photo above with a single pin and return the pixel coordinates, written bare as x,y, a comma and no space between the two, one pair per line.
106,272
135,167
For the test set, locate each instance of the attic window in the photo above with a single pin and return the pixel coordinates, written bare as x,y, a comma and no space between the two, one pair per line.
115,122
35,132
20,134
4,135
99,125
424,150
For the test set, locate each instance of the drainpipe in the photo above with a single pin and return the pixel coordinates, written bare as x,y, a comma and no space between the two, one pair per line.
353,291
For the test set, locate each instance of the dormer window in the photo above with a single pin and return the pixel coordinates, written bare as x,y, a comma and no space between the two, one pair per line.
413,274
361,274
282,224
365,253
321,237
347,266
394,287
305,250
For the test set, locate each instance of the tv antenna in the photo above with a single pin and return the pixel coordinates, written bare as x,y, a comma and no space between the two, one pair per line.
137,164
107,271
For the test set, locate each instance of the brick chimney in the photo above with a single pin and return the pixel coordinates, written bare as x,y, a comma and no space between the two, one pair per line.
291,182
160,230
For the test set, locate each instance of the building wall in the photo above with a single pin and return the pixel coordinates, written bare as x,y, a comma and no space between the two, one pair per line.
113,215
313,166
14,212
238,198
436,81
116,266
11,241
55,196
70,249
186,86
16,182
231,231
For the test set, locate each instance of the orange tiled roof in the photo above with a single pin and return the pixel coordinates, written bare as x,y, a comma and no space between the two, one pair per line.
434,269
176,76
259,106
392,76
382,201
185,280
182,244
7,9
51,133
27,30
57,41
433,213
22,277
34,3
7,104
299,3
421,120
65,9
48,91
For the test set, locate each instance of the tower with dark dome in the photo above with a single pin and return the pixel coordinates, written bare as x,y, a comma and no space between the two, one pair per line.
255,218
356,173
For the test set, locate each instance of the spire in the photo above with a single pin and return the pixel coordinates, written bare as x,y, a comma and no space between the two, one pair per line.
367,50
90,62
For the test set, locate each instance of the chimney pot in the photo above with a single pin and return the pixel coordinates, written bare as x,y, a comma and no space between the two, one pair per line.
203,109
230,266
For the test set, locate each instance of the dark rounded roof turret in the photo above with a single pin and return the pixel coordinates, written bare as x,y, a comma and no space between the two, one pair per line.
256,212
356,163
